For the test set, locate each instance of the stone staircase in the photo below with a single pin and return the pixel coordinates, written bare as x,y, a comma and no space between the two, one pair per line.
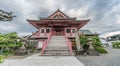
57,47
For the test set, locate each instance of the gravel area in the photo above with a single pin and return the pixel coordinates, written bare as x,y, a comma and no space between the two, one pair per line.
110,59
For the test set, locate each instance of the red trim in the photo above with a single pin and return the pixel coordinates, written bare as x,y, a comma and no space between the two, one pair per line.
47,23
70,31
69,44
45,43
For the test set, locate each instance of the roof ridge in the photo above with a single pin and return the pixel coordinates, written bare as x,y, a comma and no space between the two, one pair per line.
58,11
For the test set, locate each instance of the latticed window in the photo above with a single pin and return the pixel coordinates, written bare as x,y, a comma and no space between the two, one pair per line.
42,31
67,30
47,30
73,31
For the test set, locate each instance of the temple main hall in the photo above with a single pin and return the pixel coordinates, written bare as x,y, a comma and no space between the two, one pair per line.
56,33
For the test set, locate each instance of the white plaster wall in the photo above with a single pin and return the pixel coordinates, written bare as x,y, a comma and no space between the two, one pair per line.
39,44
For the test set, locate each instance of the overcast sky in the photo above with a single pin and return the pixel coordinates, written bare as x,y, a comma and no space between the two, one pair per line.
104,14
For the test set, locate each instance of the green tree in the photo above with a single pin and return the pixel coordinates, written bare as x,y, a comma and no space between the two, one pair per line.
83,40
96,41
8,42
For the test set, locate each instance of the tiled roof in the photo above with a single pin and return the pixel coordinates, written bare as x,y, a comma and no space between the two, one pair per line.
86,32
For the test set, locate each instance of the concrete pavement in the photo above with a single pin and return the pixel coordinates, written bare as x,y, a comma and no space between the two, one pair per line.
36,60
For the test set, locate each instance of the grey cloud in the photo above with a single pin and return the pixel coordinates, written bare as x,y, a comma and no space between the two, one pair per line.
102,19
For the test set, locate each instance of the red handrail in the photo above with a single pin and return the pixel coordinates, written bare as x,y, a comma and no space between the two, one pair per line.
45,43
44,46
36,33
68,43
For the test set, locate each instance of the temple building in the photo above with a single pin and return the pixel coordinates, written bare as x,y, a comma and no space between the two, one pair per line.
56,33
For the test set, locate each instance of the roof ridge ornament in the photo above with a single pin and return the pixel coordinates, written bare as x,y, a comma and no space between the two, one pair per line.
58,9
58,14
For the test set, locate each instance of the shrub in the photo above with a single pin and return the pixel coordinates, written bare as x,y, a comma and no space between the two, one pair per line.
96,41
116,44
6,52
83,40
9,43
1,59
100,49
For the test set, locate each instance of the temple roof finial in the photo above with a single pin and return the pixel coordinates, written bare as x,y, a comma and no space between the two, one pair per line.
58,9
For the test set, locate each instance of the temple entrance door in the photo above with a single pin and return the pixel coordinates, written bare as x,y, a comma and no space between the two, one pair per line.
58,32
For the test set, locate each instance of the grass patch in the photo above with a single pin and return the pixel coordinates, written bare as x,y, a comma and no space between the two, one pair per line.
100,50
1,59
116,45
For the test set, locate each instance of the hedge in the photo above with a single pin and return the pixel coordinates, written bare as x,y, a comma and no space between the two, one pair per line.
100,49
116,44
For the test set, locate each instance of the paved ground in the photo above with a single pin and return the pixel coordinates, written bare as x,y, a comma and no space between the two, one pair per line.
36,60
110,59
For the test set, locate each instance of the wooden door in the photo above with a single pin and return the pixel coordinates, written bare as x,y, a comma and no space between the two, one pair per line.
58,33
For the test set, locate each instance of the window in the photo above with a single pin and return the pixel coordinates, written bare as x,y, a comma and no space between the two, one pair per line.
42,31
47,30
73,31
67,30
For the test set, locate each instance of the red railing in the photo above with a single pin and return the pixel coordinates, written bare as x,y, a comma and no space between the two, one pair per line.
44,45
36,33
68,43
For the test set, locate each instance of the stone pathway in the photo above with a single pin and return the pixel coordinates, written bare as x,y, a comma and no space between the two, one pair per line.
110,59
36,60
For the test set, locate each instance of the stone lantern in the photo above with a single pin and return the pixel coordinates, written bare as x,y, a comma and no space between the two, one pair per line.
90,41
21,51
91,51
22,48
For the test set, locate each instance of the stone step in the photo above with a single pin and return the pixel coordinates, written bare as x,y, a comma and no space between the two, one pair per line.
57,45
58,39
56,54
57,42
56,49
49,52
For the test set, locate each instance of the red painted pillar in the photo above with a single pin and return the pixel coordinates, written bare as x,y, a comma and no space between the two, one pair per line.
51,31
45,31
70,31
38,33
64,31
